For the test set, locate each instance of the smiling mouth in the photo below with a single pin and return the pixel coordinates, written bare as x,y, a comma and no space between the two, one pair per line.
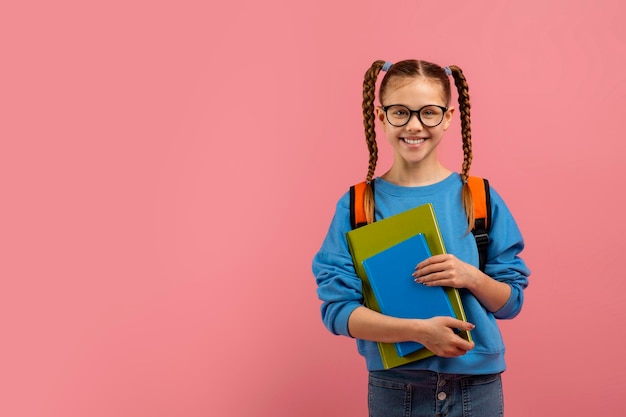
413,141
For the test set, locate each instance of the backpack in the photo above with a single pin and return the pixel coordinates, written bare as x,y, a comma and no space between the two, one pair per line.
482,212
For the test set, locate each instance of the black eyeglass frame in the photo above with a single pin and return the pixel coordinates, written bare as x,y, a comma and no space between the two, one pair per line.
417,112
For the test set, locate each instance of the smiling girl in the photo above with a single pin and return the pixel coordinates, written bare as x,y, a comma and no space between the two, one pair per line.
463,378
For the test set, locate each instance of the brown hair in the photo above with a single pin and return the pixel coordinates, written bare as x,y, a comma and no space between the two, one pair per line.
412,69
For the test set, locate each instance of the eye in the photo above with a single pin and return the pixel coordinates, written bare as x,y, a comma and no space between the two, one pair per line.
431,112
398,111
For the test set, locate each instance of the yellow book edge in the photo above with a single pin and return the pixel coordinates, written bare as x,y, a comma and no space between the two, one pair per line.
369,240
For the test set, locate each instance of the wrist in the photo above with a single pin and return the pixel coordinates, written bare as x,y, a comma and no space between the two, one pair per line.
414,330
406,330
478,281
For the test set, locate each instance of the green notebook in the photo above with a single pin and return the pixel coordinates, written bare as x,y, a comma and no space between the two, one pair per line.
372,239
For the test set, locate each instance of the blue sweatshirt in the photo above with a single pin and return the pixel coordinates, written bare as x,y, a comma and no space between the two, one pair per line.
340,289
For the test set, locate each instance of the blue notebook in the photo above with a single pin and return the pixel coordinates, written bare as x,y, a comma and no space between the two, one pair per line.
398,295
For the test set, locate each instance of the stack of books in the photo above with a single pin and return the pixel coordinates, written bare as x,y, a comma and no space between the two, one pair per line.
385,254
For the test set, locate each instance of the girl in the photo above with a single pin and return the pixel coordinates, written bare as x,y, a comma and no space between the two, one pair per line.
463,378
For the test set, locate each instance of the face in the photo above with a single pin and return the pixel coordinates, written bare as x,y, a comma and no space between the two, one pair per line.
414,143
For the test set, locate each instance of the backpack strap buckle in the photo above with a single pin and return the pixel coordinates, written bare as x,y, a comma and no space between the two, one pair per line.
482,237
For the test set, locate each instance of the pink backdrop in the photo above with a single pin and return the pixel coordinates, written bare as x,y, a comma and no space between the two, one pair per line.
169,168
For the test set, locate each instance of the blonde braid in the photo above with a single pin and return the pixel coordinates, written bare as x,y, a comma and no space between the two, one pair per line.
369,94
466,133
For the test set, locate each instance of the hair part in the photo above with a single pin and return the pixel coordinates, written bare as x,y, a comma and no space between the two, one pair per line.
405,70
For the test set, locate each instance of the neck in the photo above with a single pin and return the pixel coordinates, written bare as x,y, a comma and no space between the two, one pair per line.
416,176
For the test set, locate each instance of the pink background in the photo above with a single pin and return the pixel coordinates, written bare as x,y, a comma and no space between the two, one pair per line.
168,170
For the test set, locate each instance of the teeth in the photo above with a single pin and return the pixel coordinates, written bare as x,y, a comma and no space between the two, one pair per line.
413,141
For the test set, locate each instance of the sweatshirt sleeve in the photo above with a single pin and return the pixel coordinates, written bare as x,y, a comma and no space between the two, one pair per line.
503,261
338,286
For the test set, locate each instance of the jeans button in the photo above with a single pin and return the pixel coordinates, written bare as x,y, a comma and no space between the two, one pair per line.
441,396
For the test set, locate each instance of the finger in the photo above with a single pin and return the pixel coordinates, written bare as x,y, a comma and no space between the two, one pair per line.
432,260
457,350
432,268
434,279
439,258
458,324
464,325
464,345
427,270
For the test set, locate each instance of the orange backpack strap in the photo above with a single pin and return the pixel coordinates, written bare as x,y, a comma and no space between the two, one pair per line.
357,204
482,212
482,216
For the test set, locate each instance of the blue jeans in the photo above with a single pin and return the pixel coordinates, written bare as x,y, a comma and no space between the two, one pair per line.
394,393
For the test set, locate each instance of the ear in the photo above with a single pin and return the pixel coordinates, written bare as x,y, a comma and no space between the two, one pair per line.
447,118
380,114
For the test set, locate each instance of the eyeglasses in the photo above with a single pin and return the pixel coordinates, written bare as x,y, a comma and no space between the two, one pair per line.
429,116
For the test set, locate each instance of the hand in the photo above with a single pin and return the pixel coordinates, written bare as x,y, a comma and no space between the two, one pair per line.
439,336
446,270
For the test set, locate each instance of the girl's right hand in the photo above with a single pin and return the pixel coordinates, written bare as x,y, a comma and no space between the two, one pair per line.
438,336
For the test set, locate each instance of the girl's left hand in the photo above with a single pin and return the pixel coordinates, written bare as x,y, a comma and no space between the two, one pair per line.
446,270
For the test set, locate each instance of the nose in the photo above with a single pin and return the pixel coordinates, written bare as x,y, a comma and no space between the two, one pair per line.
414,122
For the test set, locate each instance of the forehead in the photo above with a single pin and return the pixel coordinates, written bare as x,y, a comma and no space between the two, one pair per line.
414,91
